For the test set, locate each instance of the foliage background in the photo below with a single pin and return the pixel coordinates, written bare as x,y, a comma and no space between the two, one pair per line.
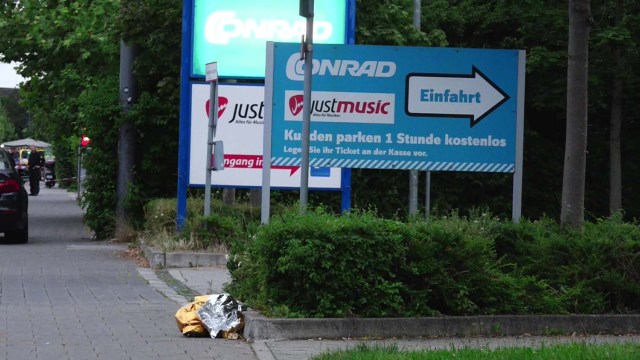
69,51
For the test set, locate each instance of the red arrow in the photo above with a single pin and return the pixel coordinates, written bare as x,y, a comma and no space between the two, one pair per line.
293,169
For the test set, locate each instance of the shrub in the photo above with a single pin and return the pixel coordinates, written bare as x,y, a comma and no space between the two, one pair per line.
452,268
323,265
594,271
327,266
320,265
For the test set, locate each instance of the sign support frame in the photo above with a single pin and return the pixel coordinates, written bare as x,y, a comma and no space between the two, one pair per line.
184,121
265,207
307,11
212,78
516,198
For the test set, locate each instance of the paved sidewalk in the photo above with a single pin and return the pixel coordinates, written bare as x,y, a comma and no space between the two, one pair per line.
203,280
65,296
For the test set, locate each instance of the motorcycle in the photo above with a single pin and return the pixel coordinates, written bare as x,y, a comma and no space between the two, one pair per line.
49,174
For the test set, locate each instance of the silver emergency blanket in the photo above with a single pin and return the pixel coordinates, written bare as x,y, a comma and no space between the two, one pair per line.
220,313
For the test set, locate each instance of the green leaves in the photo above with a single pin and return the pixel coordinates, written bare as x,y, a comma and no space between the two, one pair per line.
390,22
7,130
325,266
70,52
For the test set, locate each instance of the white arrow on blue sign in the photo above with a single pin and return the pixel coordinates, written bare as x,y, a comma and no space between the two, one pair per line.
471,96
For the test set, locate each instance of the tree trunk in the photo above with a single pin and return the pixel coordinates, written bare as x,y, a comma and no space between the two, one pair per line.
255,198
126,137
615,162
229,196
575,153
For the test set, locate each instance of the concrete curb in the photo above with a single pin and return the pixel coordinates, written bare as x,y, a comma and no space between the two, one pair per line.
161,260
258,327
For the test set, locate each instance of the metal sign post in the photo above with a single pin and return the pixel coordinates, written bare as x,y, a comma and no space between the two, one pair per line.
78,171
306,10
212,78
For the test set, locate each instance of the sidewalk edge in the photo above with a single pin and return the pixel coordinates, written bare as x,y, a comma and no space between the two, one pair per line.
181,259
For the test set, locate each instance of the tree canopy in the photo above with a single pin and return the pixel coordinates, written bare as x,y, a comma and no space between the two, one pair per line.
69,51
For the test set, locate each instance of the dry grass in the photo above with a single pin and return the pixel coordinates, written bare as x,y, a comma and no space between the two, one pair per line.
165,241
125,233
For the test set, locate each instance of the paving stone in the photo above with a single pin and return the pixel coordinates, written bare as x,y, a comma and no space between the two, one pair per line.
65,296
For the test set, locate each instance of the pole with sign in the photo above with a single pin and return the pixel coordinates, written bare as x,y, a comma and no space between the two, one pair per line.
214,147
306,10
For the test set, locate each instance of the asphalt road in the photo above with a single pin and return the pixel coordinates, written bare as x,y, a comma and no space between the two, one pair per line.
66,296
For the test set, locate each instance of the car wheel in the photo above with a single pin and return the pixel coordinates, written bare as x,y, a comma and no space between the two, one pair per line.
19,236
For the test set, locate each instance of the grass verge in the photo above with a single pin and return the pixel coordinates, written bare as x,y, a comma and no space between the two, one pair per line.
566,352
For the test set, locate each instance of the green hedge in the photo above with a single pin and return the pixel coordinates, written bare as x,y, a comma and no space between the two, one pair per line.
594,271
322,265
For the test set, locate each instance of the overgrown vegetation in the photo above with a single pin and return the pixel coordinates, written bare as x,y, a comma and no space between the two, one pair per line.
226,225
361,265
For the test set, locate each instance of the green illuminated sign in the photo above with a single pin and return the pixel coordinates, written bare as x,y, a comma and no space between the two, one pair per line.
234,32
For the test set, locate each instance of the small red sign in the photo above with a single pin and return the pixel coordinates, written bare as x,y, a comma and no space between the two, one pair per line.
84,141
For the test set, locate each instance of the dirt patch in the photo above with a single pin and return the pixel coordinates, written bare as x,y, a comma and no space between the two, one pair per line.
135,254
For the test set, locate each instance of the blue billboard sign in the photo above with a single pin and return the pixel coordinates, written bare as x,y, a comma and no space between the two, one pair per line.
385,107
234,32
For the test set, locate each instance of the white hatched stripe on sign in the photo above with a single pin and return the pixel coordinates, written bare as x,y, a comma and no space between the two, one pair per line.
398,164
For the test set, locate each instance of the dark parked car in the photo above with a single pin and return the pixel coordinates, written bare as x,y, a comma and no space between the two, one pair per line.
14,202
